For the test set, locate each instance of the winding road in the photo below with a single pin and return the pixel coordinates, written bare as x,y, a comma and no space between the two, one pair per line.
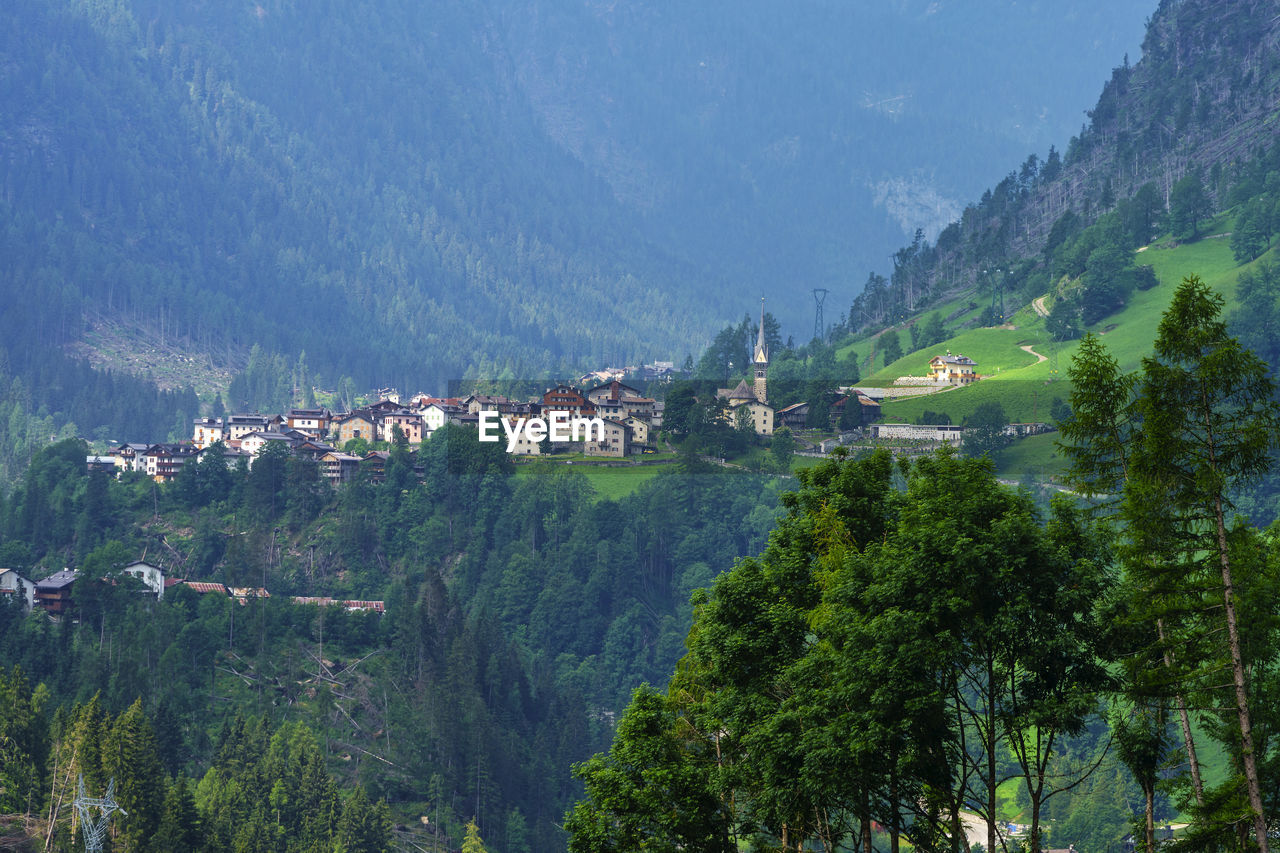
1027,348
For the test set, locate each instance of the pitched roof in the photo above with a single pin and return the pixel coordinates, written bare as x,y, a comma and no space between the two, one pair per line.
316,447
56,581
362,414
742,392
615,389
334,456
953,359
167,449
267,435
202,587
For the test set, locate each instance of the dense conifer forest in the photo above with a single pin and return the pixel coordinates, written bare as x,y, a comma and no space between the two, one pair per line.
520,611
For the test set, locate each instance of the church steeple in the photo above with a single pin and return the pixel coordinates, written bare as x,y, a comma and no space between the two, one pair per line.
761,359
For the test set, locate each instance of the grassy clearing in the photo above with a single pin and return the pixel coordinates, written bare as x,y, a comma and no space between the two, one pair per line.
616,483
801,462
1007,802
1036,457
1025,387
994,349
610,482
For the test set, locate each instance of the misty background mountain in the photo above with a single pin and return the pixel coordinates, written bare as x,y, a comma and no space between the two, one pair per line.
411,193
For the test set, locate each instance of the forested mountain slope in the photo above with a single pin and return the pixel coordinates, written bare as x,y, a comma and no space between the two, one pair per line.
1196,107
520,611
413,193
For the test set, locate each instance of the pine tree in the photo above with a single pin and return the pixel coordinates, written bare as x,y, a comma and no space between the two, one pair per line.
472,842
179,828
1189,205
1199,422
364,827
1210,425
131,758
24,747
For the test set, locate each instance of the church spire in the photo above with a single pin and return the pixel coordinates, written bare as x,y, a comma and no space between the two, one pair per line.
762,351
761,359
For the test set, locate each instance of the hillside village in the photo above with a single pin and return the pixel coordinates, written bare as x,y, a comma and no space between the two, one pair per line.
343,443
632,422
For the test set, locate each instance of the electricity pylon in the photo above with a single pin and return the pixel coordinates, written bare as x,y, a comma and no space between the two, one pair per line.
95,831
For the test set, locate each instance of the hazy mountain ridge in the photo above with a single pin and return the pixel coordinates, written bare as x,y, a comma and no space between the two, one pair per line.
1201,95
798,124
337,236
411,194
1196,104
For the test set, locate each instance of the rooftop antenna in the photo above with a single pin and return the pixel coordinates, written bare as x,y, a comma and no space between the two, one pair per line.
819,327
95,831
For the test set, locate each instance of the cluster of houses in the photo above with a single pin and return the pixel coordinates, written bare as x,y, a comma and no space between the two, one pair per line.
630,423
627,422
52,595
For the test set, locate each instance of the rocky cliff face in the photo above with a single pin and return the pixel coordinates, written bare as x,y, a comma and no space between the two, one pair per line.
1205,94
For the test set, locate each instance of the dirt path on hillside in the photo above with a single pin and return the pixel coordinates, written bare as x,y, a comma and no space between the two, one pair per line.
1027,348
1038,305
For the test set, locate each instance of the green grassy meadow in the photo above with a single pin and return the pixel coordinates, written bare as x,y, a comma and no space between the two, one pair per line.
1025,386
610,482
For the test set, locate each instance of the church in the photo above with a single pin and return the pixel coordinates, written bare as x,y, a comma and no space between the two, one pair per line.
752,399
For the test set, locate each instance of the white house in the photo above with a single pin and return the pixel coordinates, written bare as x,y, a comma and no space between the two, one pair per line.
255,441
152,576
436,415
205,431
14,584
